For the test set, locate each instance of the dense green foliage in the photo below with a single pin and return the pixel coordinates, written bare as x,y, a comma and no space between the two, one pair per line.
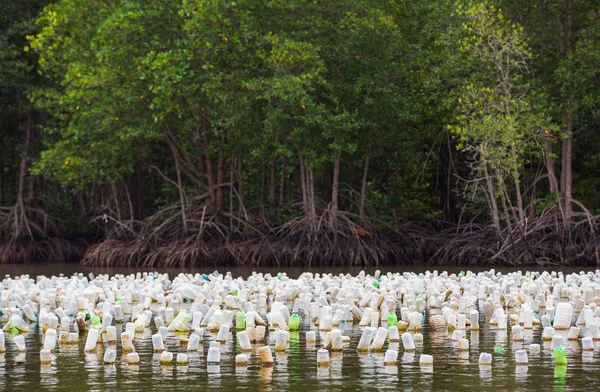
257,113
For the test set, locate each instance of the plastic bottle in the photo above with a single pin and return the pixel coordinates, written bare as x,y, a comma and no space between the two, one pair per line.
336,340
223,332
182,359
244,341
157,343
521,357
547,334
391,357
266,355
379,340
166,358
45,357
463,345
133,358
560,356
111,334
365,339
91,340
485,359
294,322
563,316
281,339
322,357
240,320
311,337
241,360
110,356
474,319
126,342
587,344
573,333
408,342
557,341
20,343
392,319
534,348
393,333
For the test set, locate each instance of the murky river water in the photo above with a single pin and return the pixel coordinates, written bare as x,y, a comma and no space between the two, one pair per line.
72,369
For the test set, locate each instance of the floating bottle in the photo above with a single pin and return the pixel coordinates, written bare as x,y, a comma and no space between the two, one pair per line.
294,322
45,357
463,345
336,340
392,319
393,333
266,355
560,356
157,343
133,358
223,332
534,348
563,316
240,320
408,342
166,358
92,339
547,334
485,359
587,344
379,340
311,337
557,341
573,333
521,357
474,319
182,359
110,356
322,357
111,334
126,342
2,342
241,360
517,333
20,343
391,357
244,341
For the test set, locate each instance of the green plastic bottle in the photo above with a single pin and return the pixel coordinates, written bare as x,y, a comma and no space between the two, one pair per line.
294,322
96,320
240,320
392,319
498,350
560,356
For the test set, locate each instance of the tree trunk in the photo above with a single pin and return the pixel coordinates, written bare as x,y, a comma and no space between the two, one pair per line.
333,212
363,188
182,198
262,191
303,187
272,180
567,145
1,182
282,183
220,179
492,199
241,182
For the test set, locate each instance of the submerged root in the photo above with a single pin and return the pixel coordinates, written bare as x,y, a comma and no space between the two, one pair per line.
210,242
